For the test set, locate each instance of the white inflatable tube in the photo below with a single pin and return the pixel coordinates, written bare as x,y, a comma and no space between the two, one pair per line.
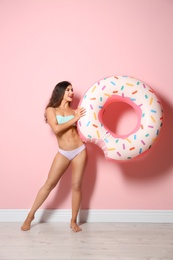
137,94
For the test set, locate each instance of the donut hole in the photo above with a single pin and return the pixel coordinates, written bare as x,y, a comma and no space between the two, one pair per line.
120,118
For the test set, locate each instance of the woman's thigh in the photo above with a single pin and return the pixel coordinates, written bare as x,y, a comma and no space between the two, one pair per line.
58,168
78,167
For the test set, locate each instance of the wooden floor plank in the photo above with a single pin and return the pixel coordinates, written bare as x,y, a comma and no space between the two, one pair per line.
97,241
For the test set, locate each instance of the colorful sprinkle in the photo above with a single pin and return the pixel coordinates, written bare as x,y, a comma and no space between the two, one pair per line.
151,101
129,84
93,88
134,92
98,134
153,119
142,142
88,123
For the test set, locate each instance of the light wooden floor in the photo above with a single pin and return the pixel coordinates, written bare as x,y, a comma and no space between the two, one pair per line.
102,241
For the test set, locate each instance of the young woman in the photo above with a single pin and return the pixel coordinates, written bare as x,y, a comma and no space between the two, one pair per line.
62,120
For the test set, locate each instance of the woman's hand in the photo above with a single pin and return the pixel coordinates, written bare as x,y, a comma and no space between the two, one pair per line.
79,112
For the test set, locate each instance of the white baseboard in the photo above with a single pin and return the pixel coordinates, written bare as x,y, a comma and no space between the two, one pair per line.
54,215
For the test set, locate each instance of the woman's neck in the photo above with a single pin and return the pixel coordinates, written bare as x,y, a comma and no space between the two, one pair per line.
64,105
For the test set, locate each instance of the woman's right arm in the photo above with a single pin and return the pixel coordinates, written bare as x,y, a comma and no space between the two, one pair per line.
59,128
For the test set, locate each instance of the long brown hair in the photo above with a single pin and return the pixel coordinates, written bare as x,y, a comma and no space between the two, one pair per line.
57,95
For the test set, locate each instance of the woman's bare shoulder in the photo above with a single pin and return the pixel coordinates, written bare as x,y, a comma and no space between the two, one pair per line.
50,111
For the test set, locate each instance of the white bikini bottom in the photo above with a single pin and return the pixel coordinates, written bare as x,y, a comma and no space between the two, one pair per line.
73,153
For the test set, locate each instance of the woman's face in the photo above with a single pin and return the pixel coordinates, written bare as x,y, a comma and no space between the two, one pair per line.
69,94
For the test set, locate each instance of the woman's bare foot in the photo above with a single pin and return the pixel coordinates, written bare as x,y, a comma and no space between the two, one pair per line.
75,227
27,223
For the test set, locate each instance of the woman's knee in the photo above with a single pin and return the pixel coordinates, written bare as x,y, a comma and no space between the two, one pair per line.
77,187
49,186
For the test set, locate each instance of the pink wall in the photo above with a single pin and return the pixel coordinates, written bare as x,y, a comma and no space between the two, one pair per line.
46,41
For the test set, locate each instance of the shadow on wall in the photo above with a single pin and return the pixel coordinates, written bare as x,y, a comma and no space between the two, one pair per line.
159,159
155,163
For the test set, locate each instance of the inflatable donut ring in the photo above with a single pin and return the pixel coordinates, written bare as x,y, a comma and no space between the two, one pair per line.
138,95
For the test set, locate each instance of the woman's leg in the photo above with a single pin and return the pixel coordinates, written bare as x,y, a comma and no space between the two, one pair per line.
59,166
78,167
